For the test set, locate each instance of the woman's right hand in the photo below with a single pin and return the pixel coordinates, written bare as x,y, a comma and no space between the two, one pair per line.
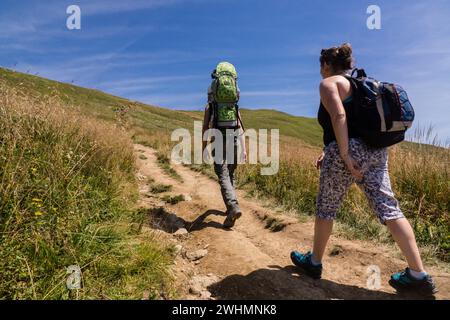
319,161
354,168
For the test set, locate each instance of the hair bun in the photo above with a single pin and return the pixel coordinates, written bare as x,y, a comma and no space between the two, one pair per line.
340,58
345,50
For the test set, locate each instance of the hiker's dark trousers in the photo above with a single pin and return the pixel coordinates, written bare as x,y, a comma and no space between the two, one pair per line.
225,173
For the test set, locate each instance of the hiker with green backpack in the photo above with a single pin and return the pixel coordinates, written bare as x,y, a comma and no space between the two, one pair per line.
361,117
222,113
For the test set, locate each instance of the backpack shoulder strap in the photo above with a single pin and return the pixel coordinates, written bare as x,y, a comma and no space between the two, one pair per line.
360,73
358,96
213,113
354,84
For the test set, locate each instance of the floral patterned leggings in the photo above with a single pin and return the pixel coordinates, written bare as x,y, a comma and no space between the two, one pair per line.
335,180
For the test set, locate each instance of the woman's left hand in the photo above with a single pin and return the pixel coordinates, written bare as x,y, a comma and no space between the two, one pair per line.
319,161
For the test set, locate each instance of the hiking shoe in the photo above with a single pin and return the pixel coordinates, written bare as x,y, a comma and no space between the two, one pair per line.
231,219
405,282
303,261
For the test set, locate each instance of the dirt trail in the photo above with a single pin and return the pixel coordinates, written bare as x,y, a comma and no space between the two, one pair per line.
252,261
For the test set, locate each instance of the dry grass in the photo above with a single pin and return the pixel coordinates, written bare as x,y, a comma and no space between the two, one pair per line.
67,187
420,179
419,175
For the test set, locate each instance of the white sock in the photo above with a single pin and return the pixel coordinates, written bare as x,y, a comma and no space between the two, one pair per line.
418,275
315,263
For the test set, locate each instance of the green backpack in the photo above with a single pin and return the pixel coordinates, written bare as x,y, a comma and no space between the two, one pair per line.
225,97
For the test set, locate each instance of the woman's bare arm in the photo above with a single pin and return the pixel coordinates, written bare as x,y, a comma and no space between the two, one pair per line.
329,94
331,99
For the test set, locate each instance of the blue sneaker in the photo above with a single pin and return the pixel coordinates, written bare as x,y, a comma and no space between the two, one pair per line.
405,282
303,261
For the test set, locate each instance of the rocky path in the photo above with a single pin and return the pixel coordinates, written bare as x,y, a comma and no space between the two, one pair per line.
251,261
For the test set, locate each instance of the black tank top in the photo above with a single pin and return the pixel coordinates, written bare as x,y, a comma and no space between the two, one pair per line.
327,126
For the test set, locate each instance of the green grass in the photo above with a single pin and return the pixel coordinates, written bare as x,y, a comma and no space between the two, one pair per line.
420,175
146,120
164,163
160,188
305,129
66,196
101,105
173,199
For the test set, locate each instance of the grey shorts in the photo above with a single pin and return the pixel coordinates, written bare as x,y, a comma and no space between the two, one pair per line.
335,180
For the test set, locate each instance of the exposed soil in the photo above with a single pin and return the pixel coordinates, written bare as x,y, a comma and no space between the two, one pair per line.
251,261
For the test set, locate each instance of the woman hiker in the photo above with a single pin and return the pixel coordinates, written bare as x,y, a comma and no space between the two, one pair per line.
347,159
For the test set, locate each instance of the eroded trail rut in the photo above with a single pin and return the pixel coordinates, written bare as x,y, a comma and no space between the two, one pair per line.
251,261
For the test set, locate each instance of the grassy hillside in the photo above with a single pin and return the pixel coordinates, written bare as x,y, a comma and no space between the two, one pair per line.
68,188
150,118
67,197
420,178
94,102
305,129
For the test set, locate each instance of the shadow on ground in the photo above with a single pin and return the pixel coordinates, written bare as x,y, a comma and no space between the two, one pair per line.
278,283
170,222
199,223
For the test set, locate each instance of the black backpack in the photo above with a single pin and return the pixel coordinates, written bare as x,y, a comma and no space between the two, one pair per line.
382,111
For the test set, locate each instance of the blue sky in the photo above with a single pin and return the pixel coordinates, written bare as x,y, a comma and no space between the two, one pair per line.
162,51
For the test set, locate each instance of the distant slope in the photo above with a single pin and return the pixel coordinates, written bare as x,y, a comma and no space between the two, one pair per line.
94,102
147,117
305,129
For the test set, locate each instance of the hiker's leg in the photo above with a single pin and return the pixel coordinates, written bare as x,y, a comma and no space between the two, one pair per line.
231,170
377,186
403,235
335,181
226,188
322,232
